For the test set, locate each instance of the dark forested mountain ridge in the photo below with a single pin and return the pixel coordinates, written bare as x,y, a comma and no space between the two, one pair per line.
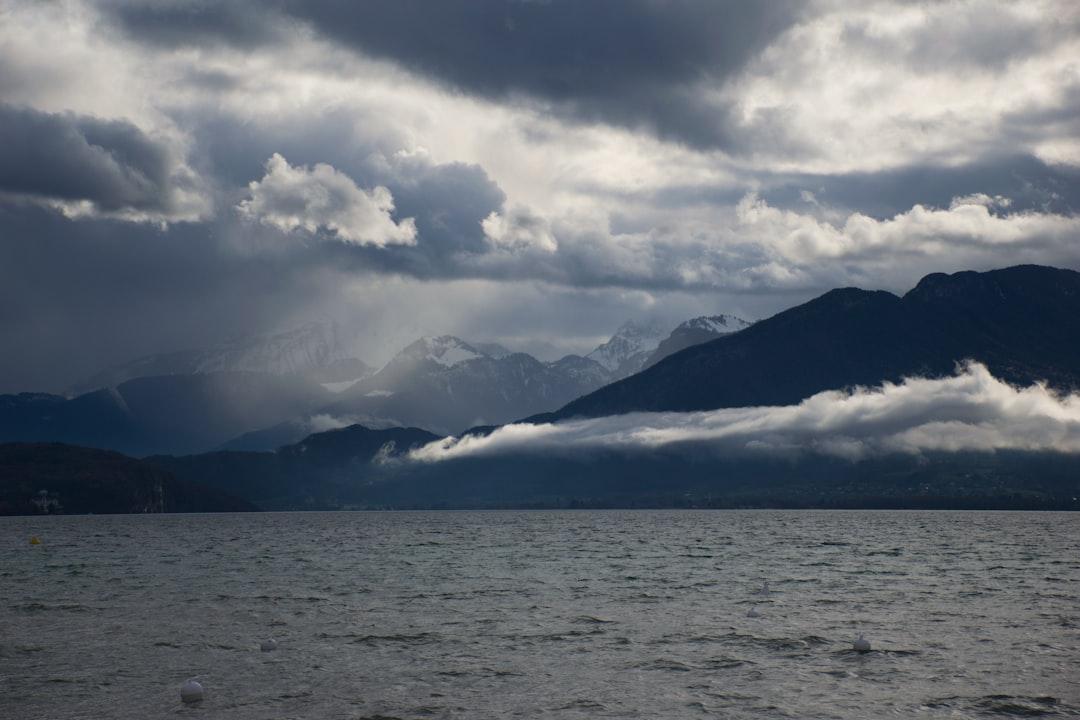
1023,322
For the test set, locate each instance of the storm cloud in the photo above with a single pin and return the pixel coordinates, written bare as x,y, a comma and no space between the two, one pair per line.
85,165
639,64
536,172
972,411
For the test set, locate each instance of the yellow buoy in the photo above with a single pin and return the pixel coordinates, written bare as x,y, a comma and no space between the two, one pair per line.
35,540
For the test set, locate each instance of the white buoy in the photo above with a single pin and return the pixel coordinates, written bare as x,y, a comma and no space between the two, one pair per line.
191,692
268,645
752,612
861,644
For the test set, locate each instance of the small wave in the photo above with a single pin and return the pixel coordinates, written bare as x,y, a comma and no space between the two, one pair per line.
671,665
591,620
662,664
46,607
894,552
357,639
583,704
773,643
1011,705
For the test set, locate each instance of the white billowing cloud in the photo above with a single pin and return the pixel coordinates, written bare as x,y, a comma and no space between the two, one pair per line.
803,249
875,85
971,411
755,247
320,197
969,220
519,230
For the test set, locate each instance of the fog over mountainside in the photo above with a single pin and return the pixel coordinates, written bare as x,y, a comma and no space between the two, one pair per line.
968,440
168,413
264,391
962,393
315,350
1022,322
971,411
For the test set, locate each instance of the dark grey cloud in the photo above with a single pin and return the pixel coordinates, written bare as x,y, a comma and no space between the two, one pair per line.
67,157
249,83
171,23
79,296
631,63
1028,183
1059,118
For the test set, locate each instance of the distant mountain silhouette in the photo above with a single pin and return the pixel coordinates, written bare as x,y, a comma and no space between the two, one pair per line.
1023,322
64,479
167,414
327,470
361,468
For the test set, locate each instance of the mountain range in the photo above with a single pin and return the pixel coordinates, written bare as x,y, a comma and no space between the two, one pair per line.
260,393
1022,323
447,385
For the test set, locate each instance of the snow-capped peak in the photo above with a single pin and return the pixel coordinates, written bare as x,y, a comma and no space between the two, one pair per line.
446,350
313,345
715,324
631,340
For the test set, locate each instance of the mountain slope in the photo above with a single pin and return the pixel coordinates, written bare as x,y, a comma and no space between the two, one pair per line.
1022,322
326,470
167,414
63,479
694,332
629,348
447,385
361,468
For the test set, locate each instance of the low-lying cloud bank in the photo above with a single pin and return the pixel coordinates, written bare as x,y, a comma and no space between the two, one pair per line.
971,411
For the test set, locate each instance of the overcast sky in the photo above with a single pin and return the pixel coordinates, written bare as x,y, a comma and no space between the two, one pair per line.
176,173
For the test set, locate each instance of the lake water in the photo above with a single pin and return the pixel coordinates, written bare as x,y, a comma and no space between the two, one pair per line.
542,615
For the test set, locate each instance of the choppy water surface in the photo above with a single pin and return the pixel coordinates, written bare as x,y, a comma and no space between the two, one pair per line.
542,614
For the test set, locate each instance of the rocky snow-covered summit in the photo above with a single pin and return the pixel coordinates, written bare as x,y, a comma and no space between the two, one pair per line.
447,385
628,349
714,324
445,350
694,332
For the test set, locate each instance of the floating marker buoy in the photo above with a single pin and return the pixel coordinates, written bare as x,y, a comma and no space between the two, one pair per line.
752,612
35,540
764,588
861,644
191,692
268,645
